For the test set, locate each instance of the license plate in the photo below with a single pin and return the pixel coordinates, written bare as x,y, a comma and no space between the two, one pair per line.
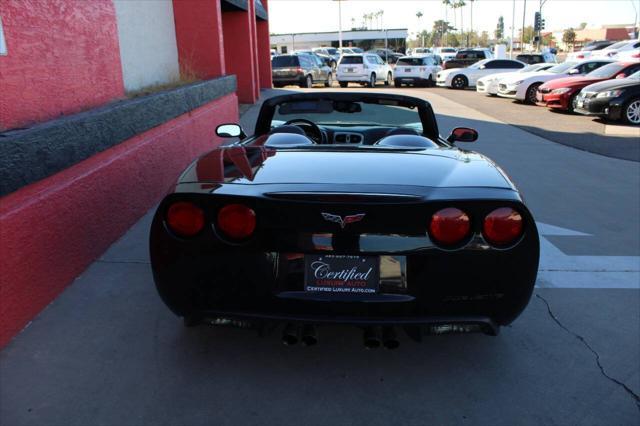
341,273
349,69
407,70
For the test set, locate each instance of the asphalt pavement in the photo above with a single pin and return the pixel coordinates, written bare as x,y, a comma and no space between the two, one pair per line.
108,352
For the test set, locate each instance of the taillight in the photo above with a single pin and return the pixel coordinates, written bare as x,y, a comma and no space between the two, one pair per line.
185,219
236,221
449,226
502,226
580,56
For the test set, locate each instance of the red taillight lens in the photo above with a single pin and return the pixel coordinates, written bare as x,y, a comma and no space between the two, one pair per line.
449,226
237,221
580,56
502,226
185,219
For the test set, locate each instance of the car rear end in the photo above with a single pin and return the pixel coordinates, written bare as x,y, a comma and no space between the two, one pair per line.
353,68
431,259
413,70
286,69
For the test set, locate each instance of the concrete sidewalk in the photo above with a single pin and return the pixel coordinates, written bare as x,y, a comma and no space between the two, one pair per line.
108,352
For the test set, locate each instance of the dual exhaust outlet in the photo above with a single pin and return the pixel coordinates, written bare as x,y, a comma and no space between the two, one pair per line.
373,337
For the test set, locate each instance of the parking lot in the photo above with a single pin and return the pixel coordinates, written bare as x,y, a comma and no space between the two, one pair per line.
109,352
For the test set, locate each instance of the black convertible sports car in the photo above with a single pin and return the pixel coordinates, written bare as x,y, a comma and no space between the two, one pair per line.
345,208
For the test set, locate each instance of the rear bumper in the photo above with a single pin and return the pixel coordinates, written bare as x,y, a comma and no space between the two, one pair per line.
298,81
239,318
411,80
363,78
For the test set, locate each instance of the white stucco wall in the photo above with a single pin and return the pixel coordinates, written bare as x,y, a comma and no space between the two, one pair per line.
147,36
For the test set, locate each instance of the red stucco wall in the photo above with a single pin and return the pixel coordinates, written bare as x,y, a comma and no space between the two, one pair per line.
53,229
199,37
239,49
63,57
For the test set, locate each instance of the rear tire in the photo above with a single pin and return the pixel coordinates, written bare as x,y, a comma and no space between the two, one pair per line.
372,80
397,83
459,82
329,81
343,84
530,97
631,112
430,82
389,80
308,82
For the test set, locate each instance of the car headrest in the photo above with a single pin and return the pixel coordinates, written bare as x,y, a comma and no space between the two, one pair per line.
288,140
406,141
287,128
402,131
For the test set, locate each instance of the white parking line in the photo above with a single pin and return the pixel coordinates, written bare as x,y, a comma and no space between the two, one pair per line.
558,270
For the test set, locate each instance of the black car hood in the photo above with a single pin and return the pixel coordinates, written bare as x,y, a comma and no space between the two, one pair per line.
612,84
435,167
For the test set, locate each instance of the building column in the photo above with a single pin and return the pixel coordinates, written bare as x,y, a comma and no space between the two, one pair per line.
254,43
264,51
239,50
199,38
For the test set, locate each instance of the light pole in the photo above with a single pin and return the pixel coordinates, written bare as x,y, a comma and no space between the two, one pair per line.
513,27
340,24
524,14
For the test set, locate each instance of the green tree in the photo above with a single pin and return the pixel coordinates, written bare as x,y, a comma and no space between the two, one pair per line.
528,34
583,25
569,37
484,39
500,29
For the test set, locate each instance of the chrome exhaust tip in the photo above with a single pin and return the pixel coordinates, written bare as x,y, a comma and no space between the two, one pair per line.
309,335
290,334
390,338
372,339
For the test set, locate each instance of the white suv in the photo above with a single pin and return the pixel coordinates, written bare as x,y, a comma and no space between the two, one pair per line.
367,68
417,70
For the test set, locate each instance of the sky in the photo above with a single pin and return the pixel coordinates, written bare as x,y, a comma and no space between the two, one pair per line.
287,16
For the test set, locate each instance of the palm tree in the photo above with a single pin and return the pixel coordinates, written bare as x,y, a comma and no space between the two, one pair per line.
419,15
447,4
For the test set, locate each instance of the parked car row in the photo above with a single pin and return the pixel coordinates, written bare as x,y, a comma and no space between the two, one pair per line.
601,87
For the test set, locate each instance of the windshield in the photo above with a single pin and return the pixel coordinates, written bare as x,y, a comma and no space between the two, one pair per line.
410,61
351,60
635,75
562,68
284,61
479,64
447,50
347,113
618,45
606,71
357,50
332,51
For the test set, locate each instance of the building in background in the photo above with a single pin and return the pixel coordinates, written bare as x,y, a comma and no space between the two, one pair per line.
103,104
395,39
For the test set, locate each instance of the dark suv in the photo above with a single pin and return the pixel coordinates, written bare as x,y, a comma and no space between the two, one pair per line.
467,57
303,70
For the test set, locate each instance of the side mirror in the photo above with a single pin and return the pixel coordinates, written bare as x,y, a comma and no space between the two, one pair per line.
574,71
230,131
462,134
482,67
621,75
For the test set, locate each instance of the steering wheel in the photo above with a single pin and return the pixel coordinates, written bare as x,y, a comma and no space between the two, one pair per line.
314,131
